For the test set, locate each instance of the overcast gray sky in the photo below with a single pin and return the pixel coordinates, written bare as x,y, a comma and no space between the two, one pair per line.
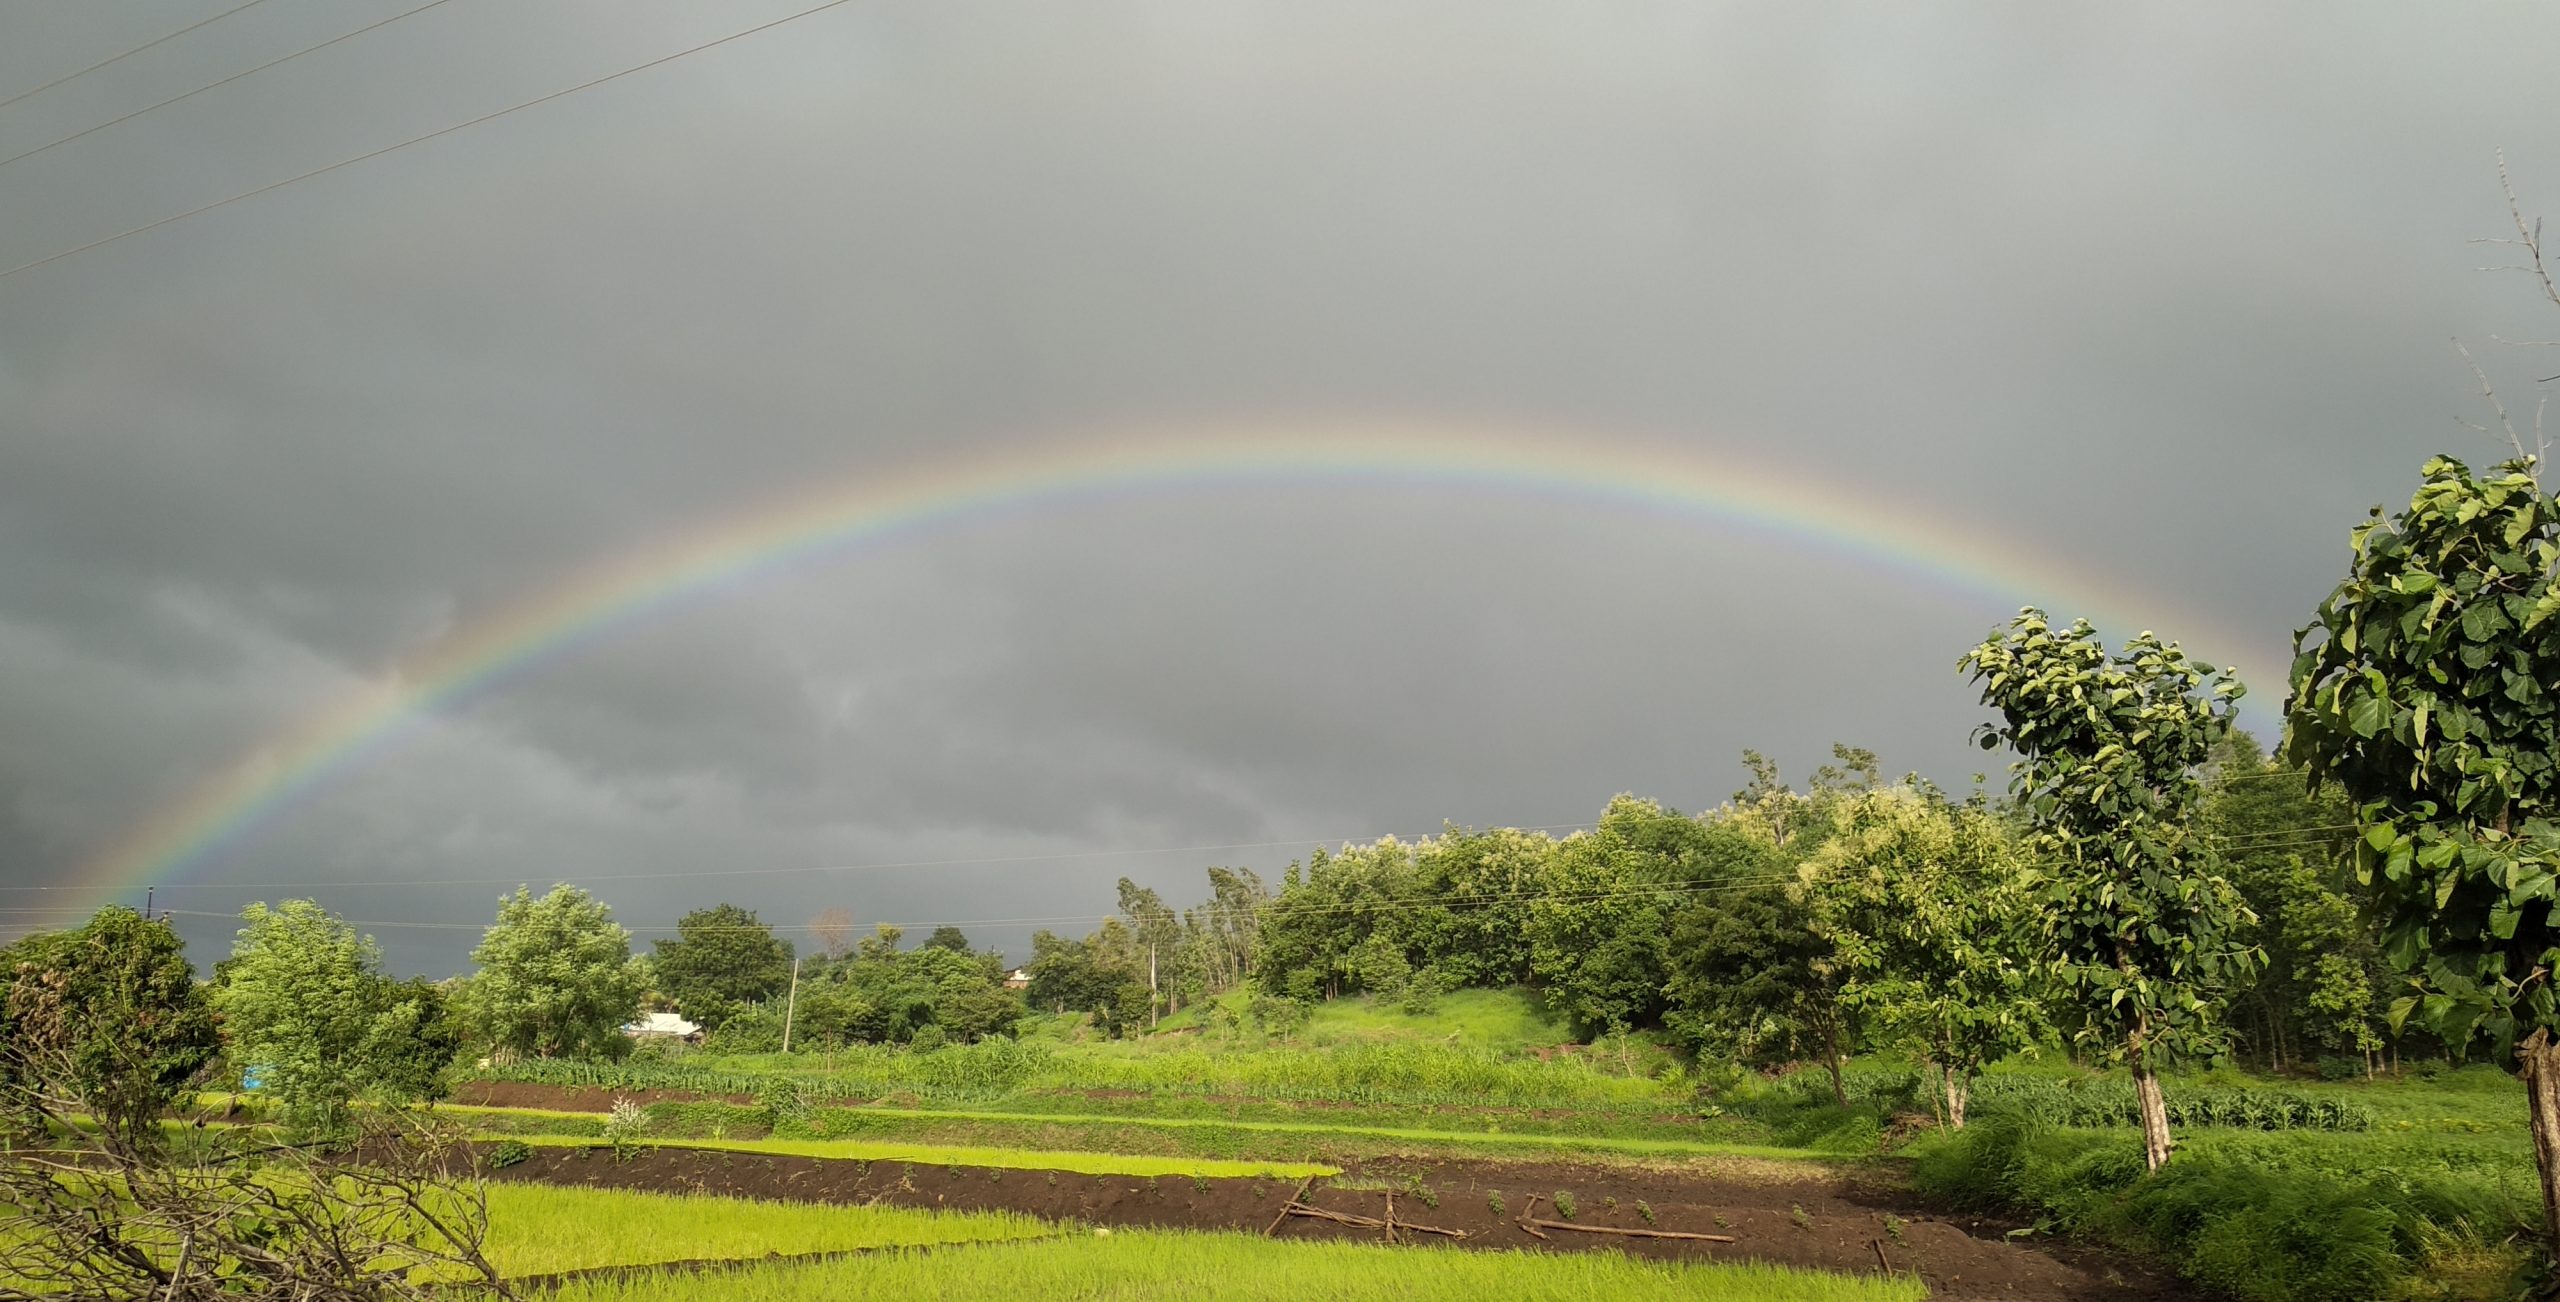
2161,297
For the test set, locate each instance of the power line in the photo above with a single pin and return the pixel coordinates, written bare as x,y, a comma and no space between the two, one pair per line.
24,94
688,875
4,162
1719,886
413,140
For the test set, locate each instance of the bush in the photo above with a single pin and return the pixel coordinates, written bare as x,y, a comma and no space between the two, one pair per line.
510,1152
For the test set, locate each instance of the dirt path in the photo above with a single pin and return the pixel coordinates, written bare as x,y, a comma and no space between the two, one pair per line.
1821,1221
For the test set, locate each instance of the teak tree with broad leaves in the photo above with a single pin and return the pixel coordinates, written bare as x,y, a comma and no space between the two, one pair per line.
2109,746
2424,689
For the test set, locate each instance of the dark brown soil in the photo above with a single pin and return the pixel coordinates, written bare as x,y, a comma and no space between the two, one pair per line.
1821,1222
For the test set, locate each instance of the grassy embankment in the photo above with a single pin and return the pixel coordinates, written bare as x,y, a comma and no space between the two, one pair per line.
539,1229
1139,1264
1487,1074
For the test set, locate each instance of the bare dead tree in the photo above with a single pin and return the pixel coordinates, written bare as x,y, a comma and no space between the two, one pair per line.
2531,263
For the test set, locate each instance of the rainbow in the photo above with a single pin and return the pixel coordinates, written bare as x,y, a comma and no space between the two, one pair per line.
190,832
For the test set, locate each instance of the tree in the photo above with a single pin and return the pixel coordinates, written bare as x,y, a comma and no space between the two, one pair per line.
556,976
1599,927
1935,928
304,999
2109,748
2424,688
1751,979
833,930
1158,930
721,959
100,1029
103,1021
950,938
2289,851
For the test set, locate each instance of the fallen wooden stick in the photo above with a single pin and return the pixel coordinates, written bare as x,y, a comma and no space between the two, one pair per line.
1881,1263
1364,1222
1274,1227
1526,1221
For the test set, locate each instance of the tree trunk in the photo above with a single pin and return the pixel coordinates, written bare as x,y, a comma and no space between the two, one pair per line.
2542,1096
2155,1115
1831,1059
1958,1089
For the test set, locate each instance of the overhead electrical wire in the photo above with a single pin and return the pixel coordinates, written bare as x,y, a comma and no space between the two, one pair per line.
418,139
70,76
410,13
687,875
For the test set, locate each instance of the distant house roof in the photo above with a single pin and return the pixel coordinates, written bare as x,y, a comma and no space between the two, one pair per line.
667,1024
1018,978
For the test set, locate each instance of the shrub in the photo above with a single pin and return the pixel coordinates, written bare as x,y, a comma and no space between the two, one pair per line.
510,1152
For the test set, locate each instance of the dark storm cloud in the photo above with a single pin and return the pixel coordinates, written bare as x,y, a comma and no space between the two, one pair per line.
2163,298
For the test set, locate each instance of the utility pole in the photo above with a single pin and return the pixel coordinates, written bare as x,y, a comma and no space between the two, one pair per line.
148,894
791,1005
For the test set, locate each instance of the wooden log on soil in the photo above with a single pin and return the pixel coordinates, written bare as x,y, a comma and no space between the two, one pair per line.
1526,1221
1274,1227
1364,1222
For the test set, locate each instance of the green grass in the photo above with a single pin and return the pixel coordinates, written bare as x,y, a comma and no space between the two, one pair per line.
1543,1143
537,1229
1021,1159
1153,1264
1208,1144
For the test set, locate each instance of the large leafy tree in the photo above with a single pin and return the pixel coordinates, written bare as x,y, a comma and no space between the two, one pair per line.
104,1021
556,978
2424,687
1936,930
721,959
2110,745
1750,979
304,998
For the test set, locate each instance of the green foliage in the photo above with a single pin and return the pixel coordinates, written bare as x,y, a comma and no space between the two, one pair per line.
1936,929
2323,1231
2289,851
2424,689
886,995
2109,746
2111,1103
556,976
105,1019
303,999
509,1152
721,959
1565,1205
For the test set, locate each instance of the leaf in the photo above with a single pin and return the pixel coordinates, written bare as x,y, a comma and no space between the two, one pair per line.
2502,920
2368,716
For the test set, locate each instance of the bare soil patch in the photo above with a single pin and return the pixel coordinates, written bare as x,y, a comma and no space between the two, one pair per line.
1822,1221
